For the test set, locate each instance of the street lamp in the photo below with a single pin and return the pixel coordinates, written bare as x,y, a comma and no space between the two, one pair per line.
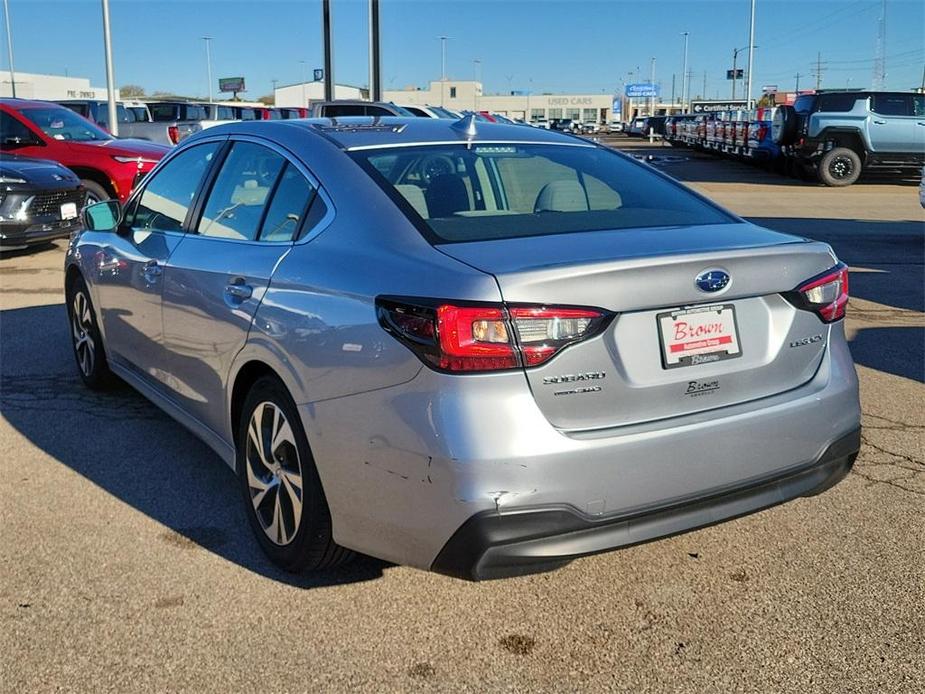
304,102
110,79
443,40
751,56
684,108
208,40
9,44
477,63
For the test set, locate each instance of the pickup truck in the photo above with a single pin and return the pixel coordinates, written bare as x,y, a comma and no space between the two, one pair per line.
839,135
135,121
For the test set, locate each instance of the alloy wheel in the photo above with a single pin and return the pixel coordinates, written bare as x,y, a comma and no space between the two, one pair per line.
274,473
841,167
81,326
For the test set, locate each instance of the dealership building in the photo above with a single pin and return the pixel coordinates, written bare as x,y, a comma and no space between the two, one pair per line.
51,87
466,95
301,94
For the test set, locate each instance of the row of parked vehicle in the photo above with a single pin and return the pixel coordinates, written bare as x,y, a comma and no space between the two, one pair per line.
831,137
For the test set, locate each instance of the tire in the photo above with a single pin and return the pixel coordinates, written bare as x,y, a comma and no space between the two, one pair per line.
839,167
95,192
86,340
784,125
293,529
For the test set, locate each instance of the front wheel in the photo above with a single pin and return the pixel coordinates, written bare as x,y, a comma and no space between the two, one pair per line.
95,192
86,340
284,500
839,167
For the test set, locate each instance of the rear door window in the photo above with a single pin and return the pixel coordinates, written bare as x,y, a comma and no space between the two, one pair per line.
344,110
290,202
236,204
892,104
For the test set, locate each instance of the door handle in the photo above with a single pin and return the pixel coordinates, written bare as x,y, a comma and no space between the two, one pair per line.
237,289
152,270
880,122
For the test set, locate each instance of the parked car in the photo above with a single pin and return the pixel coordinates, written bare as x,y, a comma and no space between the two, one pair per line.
566,125
107,167
838,135
425,111
615,127
40,200
761,146
635,127
589,128
502,373
347,107
134,122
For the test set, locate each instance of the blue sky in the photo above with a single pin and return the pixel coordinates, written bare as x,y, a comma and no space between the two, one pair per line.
528,45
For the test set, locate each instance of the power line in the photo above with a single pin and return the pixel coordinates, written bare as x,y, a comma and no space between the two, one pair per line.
819,69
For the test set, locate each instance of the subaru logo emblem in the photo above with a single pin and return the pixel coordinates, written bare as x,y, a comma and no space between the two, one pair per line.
712,280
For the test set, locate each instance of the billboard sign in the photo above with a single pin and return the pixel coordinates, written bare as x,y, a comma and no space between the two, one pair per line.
769,89
711,106
231,84
641,90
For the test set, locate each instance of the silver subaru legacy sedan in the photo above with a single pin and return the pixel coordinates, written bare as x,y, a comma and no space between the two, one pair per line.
474,348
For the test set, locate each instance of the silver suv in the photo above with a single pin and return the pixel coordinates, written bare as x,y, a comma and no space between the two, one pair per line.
474,348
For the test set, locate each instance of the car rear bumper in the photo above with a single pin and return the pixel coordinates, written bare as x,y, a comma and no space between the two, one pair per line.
526,540
405,467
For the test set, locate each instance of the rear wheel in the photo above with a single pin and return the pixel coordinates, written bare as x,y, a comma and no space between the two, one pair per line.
282,492
86,340
839,167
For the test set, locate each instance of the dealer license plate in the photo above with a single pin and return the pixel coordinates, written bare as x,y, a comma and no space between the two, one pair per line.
698,335
69,210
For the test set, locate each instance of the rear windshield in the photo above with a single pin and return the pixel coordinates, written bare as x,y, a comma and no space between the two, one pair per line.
491,191
62,124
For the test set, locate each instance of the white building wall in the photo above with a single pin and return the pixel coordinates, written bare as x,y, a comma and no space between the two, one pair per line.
291,95
50,87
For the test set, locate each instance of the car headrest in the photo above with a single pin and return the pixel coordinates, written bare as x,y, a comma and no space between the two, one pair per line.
561,196
446,195
415,197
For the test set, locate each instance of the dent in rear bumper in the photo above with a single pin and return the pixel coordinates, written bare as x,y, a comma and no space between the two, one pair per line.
527,540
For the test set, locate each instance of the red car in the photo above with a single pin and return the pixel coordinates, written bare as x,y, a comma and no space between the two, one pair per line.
108,167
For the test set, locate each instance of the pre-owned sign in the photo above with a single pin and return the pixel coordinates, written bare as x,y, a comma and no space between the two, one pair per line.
231,84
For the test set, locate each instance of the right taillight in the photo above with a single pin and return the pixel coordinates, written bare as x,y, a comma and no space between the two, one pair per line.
173,132
470,337
826,295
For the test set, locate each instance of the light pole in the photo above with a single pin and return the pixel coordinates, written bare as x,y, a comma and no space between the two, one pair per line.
110,80
274,83
208,40
477,63
443,40
751,57
304,102
651,87
9,45
684,109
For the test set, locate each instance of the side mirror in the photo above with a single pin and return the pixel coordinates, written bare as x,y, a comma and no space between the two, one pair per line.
103,216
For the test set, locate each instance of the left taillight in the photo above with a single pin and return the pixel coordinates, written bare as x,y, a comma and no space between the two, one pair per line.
173,132
469,337
826,295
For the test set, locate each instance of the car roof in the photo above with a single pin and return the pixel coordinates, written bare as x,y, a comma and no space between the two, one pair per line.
368,132
29,103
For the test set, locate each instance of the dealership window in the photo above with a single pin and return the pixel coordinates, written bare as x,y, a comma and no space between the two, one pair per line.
573,113
537,113
452,92
590,115
555,113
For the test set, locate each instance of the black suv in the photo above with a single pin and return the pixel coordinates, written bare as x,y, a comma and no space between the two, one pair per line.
837,135
40,200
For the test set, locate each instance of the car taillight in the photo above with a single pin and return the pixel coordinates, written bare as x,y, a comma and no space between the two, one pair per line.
173,132
486,337
762,132
826,295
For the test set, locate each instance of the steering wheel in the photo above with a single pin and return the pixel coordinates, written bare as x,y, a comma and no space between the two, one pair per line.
435,165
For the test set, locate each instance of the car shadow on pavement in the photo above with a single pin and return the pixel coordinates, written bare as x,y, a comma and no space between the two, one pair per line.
128,447
895,350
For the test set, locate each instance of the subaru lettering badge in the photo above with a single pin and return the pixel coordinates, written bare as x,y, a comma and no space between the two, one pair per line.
712,280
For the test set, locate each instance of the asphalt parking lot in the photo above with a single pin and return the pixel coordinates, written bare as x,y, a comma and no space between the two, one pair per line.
127,564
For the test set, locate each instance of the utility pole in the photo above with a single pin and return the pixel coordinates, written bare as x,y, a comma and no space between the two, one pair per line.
818,72
652,86
735,55
375,55
477,63
110,79
9,44
751,57
879,56
685,85
672,88
703,94
304,100
274,83
328,34
798,76
208,40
